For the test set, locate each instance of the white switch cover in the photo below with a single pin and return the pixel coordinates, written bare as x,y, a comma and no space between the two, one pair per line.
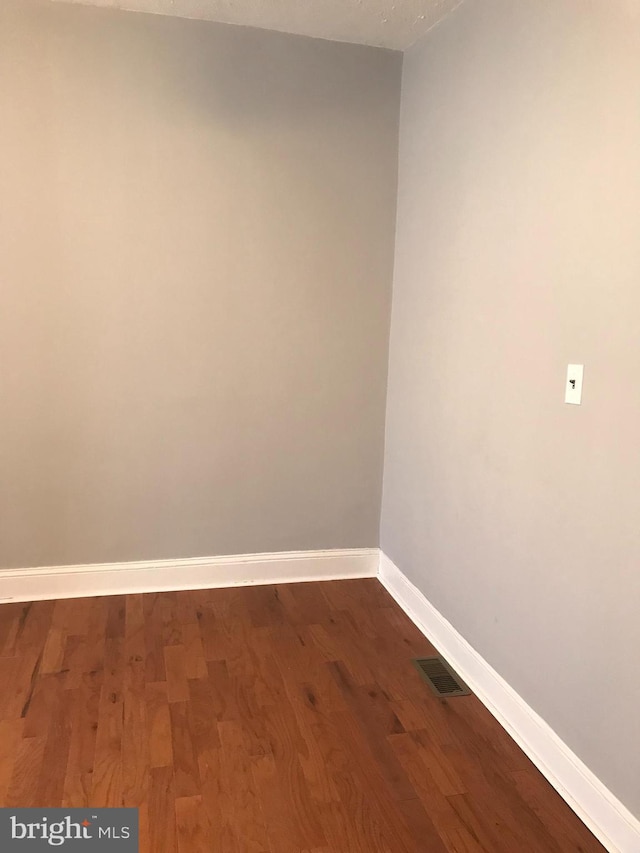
573,391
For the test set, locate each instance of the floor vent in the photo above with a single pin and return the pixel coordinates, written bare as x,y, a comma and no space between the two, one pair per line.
442,680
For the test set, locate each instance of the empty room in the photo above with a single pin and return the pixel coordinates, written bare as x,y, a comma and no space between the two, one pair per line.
319,418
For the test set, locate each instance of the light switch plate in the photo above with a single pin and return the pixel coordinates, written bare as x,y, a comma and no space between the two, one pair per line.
573,391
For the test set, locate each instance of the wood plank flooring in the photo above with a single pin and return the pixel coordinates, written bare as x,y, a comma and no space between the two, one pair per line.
274,719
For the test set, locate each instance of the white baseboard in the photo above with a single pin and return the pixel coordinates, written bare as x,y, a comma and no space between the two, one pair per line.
616,828
609,820
198,573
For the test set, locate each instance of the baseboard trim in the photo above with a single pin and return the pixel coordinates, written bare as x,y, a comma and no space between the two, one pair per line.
82,581
609,820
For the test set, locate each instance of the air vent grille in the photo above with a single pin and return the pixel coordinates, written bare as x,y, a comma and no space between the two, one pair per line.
442,680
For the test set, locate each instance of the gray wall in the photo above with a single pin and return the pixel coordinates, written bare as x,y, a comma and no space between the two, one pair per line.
518,252
196,250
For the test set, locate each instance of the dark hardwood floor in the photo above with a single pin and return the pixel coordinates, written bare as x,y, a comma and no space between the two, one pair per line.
282,719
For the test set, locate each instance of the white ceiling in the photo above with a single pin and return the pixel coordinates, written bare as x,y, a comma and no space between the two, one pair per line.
385,23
